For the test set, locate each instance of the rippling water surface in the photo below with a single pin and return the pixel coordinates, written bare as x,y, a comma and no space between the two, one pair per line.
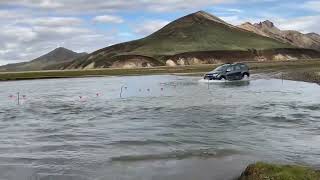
163,127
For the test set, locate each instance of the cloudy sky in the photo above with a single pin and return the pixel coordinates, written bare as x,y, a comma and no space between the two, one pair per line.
30,28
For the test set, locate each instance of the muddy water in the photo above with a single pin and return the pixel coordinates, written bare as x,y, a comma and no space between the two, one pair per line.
163,127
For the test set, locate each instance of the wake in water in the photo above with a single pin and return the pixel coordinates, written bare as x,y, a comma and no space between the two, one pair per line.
223,81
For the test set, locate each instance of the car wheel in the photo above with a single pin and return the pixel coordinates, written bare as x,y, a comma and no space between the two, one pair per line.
222,78
245,75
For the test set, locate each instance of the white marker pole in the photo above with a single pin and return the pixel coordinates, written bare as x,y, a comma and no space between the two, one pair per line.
122,90
18,98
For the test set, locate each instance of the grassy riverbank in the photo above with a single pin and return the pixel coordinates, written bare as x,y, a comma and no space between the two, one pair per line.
287,67
264,171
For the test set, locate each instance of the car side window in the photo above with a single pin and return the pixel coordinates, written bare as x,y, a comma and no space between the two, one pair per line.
230,69
237,68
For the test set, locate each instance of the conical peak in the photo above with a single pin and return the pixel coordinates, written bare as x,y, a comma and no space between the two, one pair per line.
206,15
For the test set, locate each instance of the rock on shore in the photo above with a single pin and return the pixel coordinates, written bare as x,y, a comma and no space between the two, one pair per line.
264,171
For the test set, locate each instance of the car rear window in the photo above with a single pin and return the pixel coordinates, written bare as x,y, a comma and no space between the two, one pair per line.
243,66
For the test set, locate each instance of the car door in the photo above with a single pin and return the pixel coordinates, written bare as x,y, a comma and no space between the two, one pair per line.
231,73
238,72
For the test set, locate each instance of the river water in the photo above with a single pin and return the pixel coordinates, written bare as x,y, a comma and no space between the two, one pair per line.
163,127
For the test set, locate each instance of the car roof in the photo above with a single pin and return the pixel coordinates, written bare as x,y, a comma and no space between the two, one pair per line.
229,64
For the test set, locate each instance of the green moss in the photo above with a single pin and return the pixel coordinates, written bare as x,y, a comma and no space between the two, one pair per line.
264,171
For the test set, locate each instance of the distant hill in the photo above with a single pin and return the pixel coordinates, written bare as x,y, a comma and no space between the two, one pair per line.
314,36
195,32
57,56
295,38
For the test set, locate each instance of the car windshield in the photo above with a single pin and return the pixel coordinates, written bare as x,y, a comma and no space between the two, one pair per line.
221,68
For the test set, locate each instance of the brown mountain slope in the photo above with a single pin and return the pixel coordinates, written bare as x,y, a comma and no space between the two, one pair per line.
57,56
250,27
295,38
314,36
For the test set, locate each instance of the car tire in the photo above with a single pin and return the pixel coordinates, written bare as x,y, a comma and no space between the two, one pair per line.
222,78
245,75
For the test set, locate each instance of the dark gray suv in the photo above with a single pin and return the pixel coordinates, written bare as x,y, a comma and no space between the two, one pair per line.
235,71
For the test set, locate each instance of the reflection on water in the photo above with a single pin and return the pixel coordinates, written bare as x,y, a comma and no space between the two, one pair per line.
163,127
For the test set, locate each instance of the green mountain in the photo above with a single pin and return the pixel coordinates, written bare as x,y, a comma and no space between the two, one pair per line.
57,56
199,31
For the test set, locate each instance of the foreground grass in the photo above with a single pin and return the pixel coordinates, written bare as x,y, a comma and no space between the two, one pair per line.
263,171
256,67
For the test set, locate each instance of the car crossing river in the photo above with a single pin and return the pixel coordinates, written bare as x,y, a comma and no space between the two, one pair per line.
229,72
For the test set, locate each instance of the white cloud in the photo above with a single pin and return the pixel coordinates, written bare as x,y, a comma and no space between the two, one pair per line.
234,20
58,32
51,21
81,6
9,15
313,5
234,10
303,24
22,43
150,26
237,20
174,5
17,51
108,19
19,34
48,4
